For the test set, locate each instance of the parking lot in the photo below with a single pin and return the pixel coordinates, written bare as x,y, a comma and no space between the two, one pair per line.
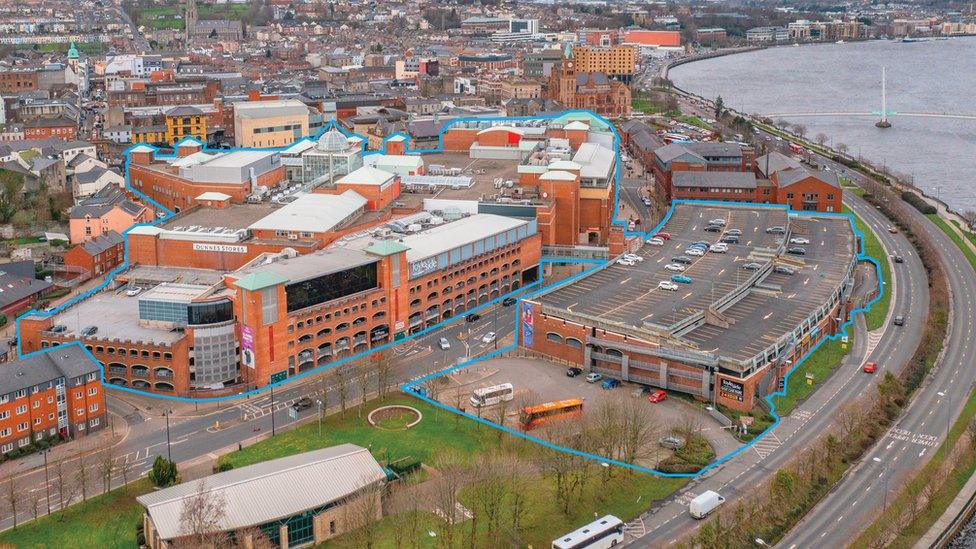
538,381
630,294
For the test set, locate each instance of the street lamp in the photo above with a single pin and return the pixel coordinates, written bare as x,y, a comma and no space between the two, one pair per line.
47,482
169,454
272,411
945,444
884,474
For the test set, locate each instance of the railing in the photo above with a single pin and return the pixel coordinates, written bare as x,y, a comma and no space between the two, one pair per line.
578,252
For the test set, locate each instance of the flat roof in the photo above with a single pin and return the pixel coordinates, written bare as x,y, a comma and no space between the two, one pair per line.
312,212
366,175
175,292
629,295
451,235
594,159
303,267
116,316
267,109
232,216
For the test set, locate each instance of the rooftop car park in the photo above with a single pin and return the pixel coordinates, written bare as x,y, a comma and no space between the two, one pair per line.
730,322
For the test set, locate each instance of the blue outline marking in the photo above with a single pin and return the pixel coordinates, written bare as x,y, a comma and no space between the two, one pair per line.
407,387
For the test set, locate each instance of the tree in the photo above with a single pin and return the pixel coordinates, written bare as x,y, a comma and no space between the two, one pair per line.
821,139
342,386
164,472
841,148
799,129
13,496
201,515
81,477
362,369
518,507
719,107
125,468
362,514
490,488
444,494
64,485
106,466
384,371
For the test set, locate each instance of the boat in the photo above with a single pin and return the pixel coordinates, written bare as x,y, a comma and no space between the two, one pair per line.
910,40
840,41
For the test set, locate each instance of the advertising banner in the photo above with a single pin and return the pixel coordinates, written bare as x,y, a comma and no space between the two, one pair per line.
247,346
528,324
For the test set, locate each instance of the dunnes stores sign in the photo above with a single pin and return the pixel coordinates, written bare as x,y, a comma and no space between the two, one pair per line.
229,248
422,267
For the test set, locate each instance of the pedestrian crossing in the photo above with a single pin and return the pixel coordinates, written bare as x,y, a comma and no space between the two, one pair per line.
767,445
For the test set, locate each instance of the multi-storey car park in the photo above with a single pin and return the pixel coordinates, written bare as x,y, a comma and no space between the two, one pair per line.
731,333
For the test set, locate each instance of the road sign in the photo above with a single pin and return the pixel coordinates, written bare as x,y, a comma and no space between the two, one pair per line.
292,413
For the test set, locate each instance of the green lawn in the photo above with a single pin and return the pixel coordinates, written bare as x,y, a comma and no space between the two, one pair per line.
694,121
438,433
820,364
955,237
875,318
104,521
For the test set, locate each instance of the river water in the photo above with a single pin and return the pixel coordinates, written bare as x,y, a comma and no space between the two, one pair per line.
937,76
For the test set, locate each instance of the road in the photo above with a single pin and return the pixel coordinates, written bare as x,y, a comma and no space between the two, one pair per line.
195,437
669,520
139,41
916,436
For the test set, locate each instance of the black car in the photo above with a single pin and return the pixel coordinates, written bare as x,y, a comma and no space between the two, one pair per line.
713,229
89,331
898,321
303,403
797,250
508,301
730,239
752,266
473,317
783,269
899,259
734,232
683,259
574,371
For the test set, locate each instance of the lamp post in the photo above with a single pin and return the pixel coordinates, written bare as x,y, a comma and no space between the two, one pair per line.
272,411
945,443
884,474
47,482
169,454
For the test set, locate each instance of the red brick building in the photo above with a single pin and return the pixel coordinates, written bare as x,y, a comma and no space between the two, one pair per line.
56,392
99,255
51,127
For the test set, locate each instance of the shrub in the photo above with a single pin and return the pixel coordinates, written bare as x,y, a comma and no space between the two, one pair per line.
918,202
164,472
223,464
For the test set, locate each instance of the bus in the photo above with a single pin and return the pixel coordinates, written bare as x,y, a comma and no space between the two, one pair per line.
797,149
531,417
489,396
600,534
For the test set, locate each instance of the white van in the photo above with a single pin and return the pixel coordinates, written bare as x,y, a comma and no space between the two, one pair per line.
705,503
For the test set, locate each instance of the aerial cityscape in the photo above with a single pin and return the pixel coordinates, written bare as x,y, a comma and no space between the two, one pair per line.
328,273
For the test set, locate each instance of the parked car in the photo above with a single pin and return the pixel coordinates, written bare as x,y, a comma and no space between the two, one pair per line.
674,442
626,262
713,229
657,395
797,250
899,259
488,338
634,257
593,377
799,240
573,371
667,285
89,331
611,383
663,235
719,248
303,403
59,328
697,252
681,279
646,201
717,221
899,320
674,267
134,291
734,232
775,230
683,259
730,239
473,317
655,241
870,367
444,344
783,269
508,301
752,266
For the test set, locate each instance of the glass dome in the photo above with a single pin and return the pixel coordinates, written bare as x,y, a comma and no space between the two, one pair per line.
332,141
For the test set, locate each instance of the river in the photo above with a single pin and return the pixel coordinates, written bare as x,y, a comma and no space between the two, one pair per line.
939,155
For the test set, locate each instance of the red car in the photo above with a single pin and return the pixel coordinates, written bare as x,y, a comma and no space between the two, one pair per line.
656,396
663,236
870,367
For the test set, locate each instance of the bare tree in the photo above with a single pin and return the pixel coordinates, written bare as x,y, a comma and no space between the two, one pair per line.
342,386
639,431
362,369
433,388
384,371
500,412
518,507
799,129
81,477
841,148
106,466
402,512
567,471
362,513
490,488
13,497
125,468
65,485
201,515
34,504
444,495
821,139
258,539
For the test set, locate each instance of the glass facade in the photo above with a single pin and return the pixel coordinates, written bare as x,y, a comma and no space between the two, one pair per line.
163,311
331,286
316,164
210,313
215,355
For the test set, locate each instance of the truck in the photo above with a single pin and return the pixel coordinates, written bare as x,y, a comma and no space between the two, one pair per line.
705,503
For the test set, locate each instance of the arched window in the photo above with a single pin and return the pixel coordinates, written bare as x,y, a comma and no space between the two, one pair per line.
554,337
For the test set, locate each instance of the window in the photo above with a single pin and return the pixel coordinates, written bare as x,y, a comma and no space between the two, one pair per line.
93,407
80,412
94,422
37,420
22,426
36,404
4,414
92,391
7,447
22,409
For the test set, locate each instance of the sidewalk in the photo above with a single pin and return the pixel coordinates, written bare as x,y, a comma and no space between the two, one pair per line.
69,450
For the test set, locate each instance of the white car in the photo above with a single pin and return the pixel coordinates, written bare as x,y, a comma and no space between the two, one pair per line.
718,248
667,285
633,257
656,241
646,201
444,344
799,240
675,267
488,338
626,262
131,292
697,252
717,221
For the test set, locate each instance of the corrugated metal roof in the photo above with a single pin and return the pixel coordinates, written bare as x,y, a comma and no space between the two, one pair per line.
271,490
458,233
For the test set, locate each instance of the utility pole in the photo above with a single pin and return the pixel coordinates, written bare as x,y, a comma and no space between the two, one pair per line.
169,454
272,411
883,123
47,482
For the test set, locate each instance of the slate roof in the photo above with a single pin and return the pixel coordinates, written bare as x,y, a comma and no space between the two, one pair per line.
99,244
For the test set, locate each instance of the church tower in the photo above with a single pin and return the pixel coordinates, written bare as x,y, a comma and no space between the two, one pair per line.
190,18
562,81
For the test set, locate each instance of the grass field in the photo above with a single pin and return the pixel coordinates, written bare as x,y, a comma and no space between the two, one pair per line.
955,237
104,521
819,364
872,247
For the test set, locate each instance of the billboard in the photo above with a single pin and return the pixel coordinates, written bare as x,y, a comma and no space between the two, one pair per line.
731,390
247,346
528,324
